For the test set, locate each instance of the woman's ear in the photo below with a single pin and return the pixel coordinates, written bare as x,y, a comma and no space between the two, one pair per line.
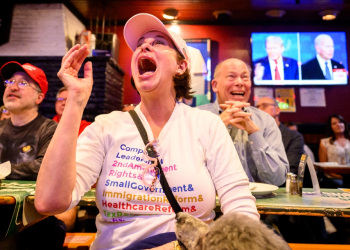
181,67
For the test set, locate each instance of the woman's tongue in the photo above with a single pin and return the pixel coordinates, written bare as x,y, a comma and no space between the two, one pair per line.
146,67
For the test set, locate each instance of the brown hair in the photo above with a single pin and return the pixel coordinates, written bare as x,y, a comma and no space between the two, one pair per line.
182,83
329,130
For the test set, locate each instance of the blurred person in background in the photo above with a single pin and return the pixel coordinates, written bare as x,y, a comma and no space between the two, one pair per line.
61,98
293,141
4,113
306,229
335,148
307,150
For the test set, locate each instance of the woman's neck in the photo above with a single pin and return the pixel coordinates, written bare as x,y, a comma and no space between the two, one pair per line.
339,136
157,112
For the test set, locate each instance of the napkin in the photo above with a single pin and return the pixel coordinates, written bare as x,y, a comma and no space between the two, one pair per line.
5,169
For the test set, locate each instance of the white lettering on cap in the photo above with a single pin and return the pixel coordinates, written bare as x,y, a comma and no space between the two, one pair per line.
28,67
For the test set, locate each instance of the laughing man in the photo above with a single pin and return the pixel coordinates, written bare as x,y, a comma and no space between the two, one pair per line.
254,133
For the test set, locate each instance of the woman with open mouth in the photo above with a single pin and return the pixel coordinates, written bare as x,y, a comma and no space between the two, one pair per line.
195,152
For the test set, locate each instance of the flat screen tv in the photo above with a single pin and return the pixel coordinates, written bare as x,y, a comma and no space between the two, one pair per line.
299,58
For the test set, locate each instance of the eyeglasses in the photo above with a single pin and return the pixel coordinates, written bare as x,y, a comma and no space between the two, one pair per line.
265,105
4,111
60,99
21,84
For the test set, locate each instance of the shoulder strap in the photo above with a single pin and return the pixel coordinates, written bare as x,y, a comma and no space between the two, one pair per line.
163,181
139,126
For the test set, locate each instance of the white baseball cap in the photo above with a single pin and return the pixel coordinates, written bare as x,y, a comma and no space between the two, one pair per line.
142,23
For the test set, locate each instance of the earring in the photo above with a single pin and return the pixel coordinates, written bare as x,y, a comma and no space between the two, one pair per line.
178,72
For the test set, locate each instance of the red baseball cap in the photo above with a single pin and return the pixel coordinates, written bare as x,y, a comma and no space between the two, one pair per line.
38,75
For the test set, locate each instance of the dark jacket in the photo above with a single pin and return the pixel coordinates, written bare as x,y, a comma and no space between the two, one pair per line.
312,70
293,143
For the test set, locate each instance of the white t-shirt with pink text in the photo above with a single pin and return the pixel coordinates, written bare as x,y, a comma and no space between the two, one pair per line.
198,159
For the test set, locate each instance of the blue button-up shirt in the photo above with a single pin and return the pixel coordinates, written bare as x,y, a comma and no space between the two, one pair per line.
262,153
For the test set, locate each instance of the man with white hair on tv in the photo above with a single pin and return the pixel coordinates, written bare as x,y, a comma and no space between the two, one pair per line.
322,66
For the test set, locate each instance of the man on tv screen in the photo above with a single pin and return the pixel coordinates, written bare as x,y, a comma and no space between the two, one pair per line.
322,66
275,66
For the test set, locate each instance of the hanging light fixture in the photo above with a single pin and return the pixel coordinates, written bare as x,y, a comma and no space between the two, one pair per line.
328,15
170,13
222,15
275,13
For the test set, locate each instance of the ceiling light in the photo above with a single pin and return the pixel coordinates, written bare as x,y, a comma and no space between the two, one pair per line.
170,13
175,28
329,14
275,13
223,15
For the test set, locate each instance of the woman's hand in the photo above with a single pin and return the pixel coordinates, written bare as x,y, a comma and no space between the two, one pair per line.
68,74
168,246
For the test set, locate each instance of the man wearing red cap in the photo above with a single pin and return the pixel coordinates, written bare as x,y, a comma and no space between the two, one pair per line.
24,139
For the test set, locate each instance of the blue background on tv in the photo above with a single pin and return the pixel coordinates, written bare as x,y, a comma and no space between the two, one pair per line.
290,42
307,47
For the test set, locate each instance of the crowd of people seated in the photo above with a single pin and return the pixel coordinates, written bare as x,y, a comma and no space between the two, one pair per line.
217,148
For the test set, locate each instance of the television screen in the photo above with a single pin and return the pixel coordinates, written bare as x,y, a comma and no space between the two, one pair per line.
299,58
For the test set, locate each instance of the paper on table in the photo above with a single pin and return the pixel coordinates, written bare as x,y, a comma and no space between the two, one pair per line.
326,164
5,169
30,214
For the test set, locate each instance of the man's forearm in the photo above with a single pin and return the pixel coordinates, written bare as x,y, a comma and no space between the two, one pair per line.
271,165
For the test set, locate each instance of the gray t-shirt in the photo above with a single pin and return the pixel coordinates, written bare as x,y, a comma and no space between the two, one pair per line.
25,146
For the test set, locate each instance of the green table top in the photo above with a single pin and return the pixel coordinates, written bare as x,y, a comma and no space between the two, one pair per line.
333,203
19,190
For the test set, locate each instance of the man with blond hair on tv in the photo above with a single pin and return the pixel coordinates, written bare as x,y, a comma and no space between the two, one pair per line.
275,66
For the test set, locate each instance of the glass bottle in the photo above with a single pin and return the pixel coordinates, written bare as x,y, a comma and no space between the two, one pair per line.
294,185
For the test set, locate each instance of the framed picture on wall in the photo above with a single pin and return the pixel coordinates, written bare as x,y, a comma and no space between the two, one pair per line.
199,49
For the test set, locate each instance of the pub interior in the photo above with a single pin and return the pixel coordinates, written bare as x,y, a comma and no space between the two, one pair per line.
41,32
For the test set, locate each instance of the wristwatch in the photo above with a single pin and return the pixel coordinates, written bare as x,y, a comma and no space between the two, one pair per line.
176,245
